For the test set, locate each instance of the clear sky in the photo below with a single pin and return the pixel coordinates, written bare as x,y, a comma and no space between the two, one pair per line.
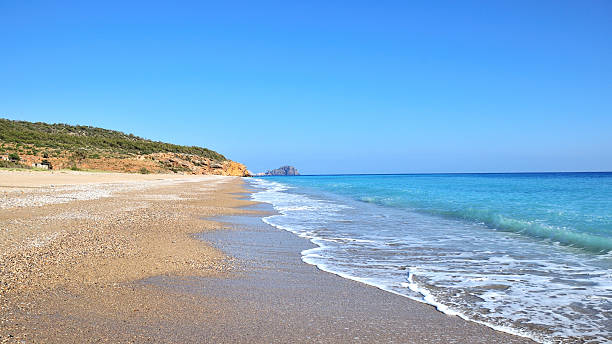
326,86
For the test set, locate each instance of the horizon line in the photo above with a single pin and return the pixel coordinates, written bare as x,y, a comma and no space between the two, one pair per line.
432,173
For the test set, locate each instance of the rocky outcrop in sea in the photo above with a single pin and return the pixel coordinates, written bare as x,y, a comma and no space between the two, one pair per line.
281,171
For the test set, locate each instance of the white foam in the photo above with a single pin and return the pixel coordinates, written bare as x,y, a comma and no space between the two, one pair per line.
308,218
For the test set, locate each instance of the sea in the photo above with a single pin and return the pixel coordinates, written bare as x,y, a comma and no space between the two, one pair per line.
525,253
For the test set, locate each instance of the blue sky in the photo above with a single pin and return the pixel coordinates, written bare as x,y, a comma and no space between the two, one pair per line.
329,86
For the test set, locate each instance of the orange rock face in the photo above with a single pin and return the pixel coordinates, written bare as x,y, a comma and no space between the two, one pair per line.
233,168
151,163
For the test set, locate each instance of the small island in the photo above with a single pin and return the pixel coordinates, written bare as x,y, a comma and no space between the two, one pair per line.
281,171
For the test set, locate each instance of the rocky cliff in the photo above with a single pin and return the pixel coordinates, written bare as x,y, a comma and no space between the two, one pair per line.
149,163
62,146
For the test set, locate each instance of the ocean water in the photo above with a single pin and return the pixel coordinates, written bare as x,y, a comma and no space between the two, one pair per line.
529,254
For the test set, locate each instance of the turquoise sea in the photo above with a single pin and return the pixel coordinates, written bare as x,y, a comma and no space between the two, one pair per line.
526,253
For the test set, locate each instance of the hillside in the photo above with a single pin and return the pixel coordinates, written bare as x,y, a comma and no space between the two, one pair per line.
60,146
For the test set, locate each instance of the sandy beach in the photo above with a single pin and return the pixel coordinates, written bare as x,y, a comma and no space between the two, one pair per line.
108,257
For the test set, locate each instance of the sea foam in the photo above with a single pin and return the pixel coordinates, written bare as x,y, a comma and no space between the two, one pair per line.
504,279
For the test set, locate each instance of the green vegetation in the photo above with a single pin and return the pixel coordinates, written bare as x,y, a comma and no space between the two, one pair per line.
144,171
179,169
14,157
84,141
12,164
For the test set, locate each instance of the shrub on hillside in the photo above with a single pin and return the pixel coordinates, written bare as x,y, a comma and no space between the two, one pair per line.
83,138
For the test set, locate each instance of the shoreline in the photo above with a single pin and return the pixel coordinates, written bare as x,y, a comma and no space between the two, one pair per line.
366,229
281,264
127,264
426,296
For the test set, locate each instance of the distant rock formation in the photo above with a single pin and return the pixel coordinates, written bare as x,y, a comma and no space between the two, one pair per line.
281,171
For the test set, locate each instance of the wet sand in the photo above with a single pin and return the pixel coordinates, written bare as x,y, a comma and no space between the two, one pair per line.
272,296
144,263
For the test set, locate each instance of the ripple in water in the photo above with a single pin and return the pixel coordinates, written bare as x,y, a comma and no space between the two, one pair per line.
508,281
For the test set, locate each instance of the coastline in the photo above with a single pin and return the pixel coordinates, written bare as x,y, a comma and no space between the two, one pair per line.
127,264
303,303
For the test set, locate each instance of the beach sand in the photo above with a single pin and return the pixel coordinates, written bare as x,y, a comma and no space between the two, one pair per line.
107,257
